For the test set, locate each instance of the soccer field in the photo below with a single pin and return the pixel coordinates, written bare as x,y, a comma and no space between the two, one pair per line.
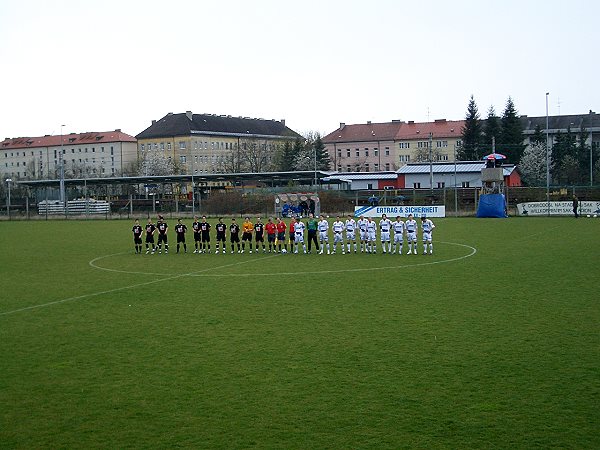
492,342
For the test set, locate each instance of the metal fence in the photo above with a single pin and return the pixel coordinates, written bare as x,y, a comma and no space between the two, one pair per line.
124,203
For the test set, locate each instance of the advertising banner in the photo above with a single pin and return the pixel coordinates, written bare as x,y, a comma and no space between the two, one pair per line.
557,208
402,211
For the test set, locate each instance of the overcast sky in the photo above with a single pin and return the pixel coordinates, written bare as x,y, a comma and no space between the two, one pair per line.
98,66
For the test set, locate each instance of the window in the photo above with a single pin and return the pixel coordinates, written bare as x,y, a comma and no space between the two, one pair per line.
162,146
366,152
93,149
416,185
442,157
375,167
169,146
348,152
441,184
404,145
441,144
404,158
112,150
339,153
376,151
348,168
459,143
387,151
387,166
182,145
141,147
423,144
182,159
369,185
465,184
366,167
357,153
339,168
102,148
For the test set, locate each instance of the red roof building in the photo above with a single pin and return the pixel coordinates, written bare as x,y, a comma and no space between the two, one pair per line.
92,154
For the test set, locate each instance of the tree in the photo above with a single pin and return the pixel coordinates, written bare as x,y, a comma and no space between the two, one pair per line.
538,136
472,136
569,170
511,137
322,155
564,145
491,130
154,162
285,157
533,165
583,157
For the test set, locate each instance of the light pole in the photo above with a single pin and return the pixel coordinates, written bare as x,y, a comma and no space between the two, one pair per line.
8,181
62,171
591,148
547,159
315,159
193,189
455,184
431,161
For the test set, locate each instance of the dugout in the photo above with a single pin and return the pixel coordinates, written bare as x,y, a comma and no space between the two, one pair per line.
297,204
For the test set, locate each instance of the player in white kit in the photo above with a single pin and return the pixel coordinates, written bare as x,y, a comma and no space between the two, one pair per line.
338,234
299,235
323,227
350,233
385,226
427,226
411,233
372,231
364,234
398,227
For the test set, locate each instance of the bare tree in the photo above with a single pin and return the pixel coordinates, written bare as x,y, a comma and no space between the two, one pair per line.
154,162
533,164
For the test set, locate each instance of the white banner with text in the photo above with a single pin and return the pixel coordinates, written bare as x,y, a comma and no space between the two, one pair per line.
402,211
557,208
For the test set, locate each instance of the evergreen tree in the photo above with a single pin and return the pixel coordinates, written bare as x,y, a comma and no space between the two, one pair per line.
564,146
538,136
492,129
583,157
472,136
323,159
511,137
285,158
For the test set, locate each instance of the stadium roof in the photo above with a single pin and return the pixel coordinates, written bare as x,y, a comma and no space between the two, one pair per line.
350,176
186,124
440,168
264,177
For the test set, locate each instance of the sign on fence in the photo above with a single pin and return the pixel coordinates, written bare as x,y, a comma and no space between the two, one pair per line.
402,211
556,208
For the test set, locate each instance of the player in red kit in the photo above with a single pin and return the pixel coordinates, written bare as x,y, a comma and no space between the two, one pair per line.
271,230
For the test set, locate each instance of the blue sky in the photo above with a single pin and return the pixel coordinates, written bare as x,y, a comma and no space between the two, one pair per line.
97,66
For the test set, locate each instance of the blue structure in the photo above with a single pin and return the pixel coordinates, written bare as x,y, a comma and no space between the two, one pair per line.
492,205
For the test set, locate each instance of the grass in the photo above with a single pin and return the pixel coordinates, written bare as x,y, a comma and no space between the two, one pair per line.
497,350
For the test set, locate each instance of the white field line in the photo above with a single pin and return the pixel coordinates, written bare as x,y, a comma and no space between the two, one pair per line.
123,288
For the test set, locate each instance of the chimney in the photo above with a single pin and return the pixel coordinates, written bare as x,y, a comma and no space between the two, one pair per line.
118,130
189,115
283,122
342,125
153,122
368,122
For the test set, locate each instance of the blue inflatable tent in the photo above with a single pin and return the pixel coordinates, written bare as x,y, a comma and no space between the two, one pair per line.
492,205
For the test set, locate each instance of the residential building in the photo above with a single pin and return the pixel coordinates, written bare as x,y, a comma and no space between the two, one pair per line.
588,123
390,145
208,143
92,154
355,181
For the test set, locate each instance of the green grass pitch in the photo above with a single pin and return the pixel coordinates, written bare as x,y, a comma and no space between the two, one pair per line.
498,348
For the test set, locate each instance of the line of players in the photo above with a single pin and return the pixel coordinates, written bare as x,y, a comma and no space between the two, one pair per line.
351,235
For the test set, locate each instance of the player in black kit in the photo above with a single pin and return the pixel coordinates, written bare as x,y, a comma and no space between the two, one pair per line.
205,234
163,228
220,227
137,236
234,235
259,234
150,230
196,228
180,230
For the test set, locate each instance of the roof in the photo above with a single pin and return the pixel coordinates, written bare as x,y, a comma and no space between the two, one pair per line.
199,178
575,121
442,168
440,128
364,132
345,176
93,137
186,124
395,130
